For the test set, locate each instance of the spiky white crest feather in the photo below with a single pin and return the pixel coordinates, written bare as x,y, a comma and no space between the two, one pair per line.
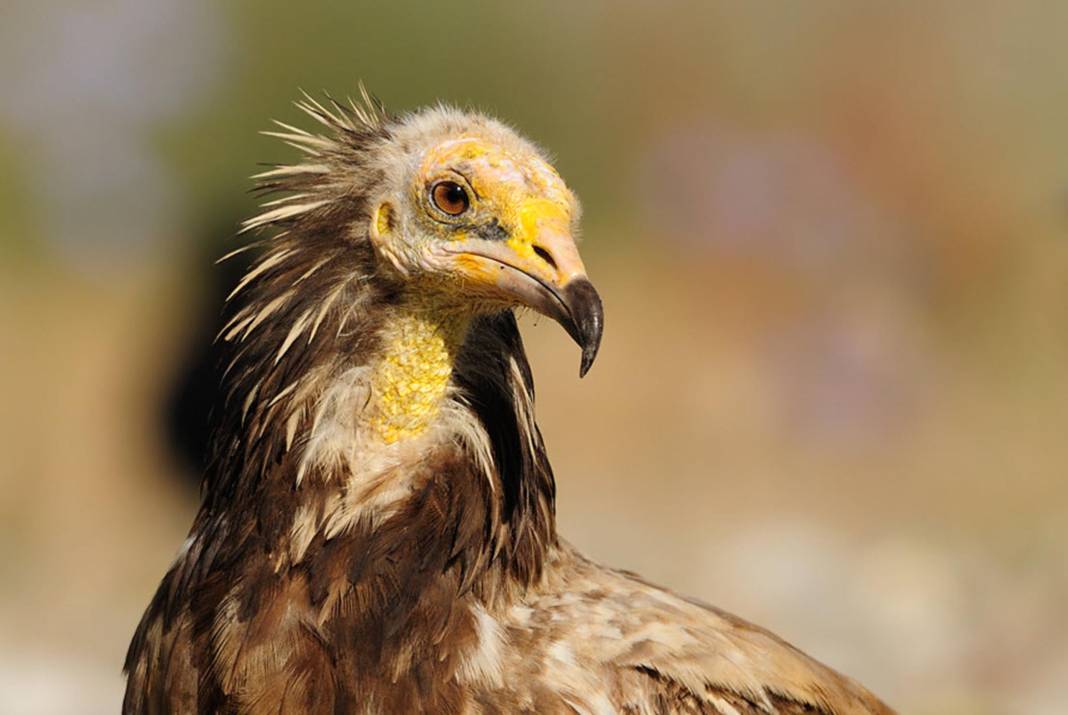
349,126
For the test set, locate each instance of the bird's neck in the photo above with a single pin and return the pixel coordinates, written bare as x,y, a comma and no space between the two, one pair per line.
410,378
364,418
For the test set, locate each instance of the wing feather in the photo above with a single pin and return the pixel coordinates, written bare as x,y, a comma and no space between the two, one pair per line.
674,654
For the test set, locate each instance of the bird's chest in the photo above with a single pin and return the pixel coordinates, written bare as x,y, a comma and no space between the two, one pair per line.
377,638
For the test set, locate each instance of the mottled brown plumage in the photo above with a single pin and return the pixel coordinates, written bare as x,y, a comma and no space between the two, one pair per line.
377,533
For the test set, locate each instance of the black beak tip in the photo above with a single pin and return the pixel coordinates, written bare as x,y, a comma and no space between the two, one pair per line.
587,361
587,319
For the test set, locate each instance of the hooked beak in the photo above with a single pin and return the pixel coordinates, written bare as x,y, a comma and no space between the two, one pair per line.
543,272
585,319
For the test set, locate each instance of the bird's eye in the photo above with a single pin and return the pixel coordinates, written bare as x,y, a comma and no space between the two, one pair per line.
450,197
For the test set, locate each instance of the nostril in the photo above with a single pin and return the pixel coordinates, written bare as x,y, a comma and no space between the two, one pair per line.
545,255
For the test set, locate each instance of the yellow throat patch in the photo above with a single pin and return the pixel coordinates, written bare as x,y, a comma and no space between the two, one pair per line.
412,377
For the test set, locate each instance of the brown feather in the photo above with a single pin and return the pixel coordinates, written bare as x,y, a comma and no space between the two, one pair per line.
436,582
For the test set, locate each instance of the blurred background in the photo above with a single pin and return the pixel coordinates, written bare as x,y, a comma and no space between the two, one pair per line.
830,236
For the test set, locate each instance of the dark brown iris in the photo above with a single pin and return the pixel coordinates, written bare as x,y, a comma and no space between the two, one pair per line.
450,197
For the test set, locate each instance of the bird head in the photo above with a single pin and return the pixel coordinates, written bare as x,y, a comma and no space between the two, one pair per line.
456,208
477,220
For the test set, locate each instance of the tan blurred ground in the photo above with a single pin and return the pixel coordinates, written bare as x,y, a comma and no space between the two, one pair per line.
831,243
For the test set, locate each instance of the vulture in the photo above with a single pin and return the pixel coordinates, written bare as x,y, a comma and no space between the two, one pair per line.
377,530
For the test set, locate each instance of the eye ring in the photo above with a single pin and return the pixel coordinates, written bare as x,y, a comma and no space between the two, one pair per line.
450,198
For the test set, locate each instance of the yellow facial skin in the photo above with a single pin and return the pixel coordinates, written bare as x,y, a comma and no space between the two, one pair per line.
537,216
522,193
